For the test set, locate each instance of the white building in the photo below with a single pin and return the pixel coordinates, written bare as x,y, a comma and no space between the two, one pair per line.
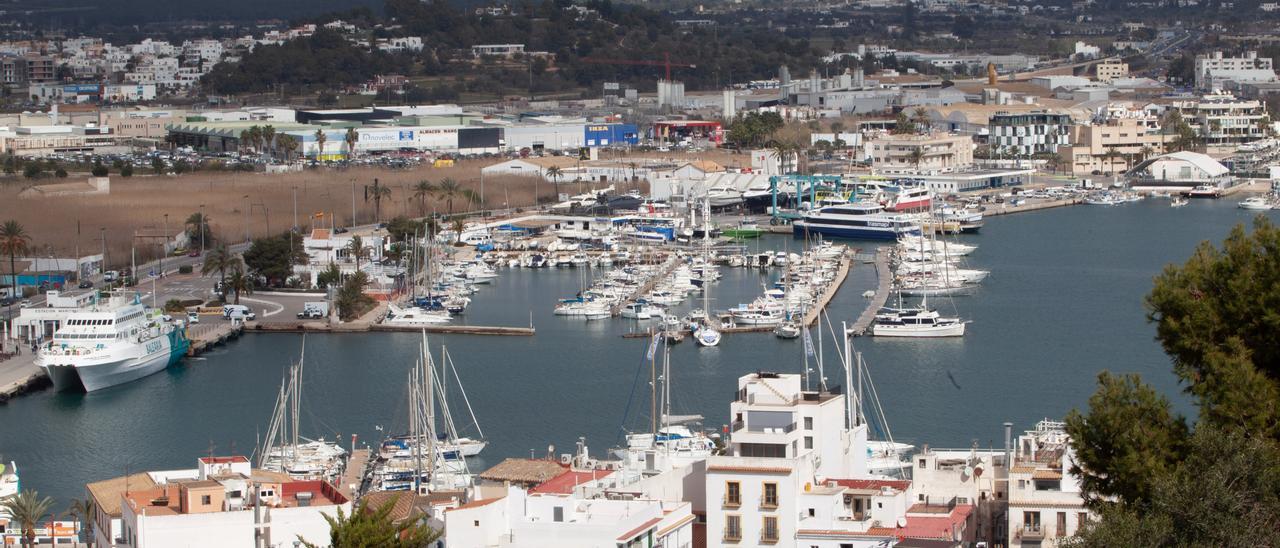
224,505
501,50
1045,504
1183,169
1214,68
324,248
521,519
1026,134
1223,120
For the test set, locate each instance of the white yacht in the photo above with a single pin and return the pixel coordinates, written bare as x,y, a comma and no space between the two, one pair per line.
1255,203
110,343
9,482
415,316
862,220
915,322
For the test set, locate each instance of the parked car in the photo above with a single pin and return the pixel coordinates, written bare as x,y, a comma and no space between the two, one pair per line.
86,284
26,303
193,317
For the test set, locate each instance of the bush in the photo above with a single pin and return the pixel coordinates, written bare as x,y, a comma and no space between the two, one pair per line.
99,170
184,269
60,173
174,305
31,170
126,170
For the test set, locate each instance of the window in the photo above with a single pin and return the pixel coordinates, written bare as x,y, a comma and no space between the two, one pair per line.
769,498
812,513
1062,525
732,527
808,442
206,500
557,514
475,523
922,463
1081,519
769,531
732,493
808,423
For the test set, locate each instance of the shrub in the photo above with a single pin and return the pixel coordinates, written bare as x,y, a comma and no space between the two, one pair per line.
184,269
99,170
60,173
126,170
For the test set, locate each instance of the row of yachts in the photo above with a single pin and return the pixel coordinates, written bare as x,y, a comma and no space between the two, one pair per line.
925,267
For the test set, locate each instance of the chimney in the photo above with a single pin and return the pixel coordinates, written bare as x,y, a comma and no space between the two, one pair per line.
1008,443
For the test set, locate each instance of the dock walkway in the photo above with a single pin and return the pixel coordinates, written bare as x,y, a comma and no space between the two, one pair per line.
203,337
884,278
811,317
672,262
353,476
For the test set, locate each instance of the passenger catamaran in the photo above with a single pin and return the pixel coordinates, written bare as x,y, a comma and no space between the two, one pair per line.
110,343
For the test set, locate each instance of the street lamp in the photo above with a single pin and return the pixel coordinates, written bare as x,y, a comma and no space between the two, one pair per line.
203,224
247,239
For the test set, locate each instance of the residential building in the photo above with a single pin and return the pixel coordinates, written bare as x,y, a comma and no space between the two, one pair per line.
227,503
1214,68
1045,502
1113,142
1028,134
106,530
528,519
500,50
324,247
930,153
1223,121
1111,69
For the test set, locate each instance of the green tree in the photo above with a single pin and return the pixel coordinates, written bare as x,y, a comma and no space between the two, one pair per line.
554,172
289,144
198,233
351,138
157,165
272,258
269,140
357,250
27,509
239,282
60,173
330,276
14,241
903,125
32,170
351,300
377,192
126,170
82,510
99,170
920,118
369,527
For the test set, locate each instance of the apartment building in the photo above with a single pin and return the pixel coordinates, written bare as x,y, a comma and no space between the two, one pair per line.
1027,134
1113,142
920,154
1223,121
1045,504
1112,69
1212,69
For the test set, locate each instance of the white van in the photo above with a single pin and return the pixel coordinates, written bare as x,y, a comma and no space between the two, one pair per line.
237,311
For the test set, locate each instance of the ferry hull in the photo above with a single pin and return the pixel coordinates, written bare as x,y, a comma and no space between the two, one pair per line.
97,376
800,229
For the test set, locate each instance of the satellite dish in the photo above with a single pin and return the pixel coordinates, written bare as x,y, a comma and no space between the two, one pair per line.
902,522
977,471
551,449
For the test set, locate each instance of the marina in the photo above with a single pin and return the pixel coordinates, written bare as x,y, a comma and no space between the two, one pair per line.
943,376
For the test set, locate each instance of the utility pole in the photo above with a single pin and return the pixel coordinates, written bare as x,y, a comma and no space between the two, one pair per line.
203,224
103,235
353,203
247,239
164,244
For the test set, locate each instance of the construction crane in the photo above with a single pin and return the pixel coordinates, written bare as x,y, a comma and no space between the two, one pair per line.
665,62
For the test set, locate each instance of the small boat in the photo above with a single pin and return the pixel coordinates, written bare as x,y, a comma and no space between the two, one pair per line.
705,335
415,316
1203,191
787,330
640,310
1179,202
915,322
1255,203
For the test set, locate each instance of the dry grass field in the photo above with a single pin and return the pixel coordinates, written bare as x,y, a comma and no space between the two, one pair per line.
238,202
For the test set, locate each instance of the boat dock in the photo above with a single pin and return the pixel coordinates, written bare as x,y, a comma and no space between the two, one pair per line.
320,327
353,476
19,375
203,337
884,284
1005,209
811,317
672,262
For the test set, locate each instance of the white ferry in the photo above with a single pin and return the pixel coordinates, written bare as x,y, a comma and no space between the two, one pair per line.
110,343
860,220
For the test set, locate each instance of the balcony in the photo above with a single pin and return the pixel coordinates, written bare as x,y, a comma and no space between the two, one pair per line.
732,502
1032,531
732,535
769,537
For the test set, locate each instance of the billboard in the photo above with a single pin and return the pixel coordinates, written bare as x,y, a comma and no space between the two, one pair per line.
473,138
603,135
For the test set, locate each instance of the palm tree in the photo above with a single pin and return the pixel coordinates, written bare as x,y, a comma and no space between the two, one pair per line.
239,281
246,139
320,139
82,510
784,150
357,250
378,192
916,156
1144,153
27,508
554,172
450,189
255,135
198,228
920,118
1110,158
290,145
351,138
421,191
14,240
220,260
269,139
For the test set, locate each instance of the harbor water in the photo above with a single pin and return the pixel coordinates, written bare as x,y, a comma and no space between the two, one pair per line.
1063,302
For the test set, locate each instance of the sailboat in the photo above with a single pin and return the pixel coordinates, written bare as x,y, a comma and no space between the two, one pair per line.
669,436
428,458
284,450
704,333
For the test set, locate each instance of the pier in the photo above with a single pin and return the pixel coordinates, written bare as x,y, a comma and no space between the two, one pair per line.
1005,209
672,262
884,283
203,337
353,476
320,327
20,375
811,317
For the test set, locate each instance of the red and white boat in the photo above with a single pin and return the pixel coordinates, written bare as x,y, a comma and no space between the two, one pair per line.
908,198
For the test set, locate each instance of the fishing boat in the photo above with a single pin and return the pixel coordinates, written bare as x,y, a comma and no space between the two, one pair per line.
110,343
787,330
1179,201
1255,203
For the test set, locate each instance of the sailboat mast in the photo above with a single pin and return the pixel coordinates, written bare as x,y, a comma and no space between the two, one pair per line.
848,377
653,394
